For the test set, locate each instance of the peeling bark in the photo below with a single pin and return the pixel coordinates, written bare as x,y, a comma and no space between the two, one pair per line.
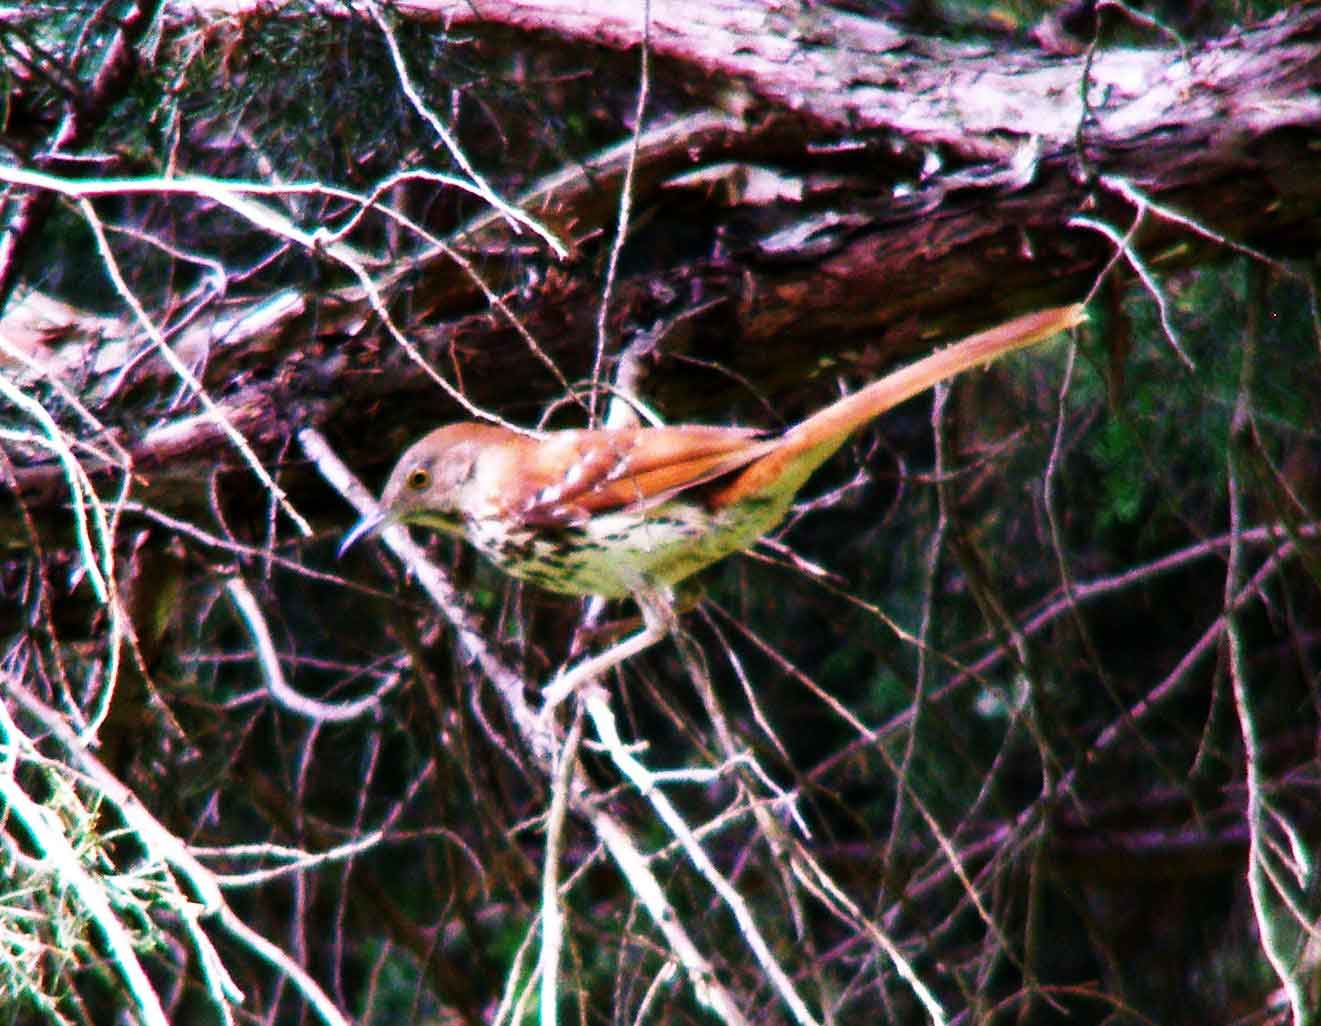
852,193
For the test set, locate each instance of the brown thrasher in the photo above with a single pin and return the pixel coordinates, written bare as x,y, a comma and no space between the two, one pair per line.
622,511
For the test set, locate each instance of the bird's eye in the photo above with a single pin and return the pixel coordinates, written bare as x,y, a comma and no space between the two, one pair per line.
418,478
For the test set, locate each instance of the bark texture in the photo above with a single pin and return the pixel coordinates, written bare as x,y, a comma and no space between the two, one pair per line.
838,193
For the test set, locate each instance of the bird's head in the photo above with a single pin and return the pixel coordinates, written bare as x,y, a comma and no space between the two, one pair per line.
429,484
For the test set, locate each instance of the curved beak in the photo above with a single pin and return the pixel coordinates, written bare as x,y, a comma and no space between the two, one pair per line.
369,524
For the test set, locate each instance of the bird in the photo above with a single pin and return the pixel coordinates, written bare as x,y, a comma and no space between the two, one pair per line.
621,511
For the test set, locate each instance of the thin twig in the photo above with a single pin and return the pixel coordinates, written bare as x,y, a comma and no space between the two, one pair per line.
269,661
1274,942
1123,246
625,207
644,780
52,846
512,214
234,197
552,917
186,375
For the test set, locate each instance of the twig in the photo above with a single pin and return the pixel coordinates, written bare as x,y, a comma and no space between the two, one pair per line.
1143,202
552,917
298,860
644,780
234,197
647,889
625,206
571,679
81,492
269,661
1046,614
185,374
512,214
514,998
297,975
1124,246
54,848
117,73
834,898
1274,942
160,844
935,546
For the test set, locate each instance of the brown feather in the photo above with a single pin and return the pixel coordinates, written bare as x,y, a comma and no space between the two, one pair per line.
810,443
632,468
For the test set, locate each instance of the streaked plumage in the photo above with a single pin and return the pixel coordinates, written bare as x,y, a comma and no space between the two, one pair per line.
617,511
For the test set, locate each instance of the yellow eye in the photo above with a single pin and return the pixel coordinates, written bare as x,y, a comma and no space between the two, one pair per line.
418,478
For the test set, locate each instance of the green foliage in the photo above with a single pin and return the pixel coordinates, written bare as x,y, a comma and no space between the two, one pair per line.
399,992
51,944
1123,479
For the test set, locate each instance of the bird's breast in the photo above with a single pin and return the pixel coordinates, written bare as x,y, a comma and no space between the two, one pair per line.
617,554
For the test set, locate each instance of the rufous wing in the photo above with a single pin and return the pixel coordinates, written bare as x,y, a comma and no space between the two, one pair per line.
587,473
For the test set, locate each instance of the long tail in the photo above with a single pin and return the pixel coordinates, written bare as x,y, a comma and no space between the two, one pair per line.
807,445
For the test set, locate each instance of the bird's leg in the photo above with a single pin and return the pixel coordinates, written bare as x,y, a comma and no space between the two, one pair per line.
591,631
657,620
589,627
